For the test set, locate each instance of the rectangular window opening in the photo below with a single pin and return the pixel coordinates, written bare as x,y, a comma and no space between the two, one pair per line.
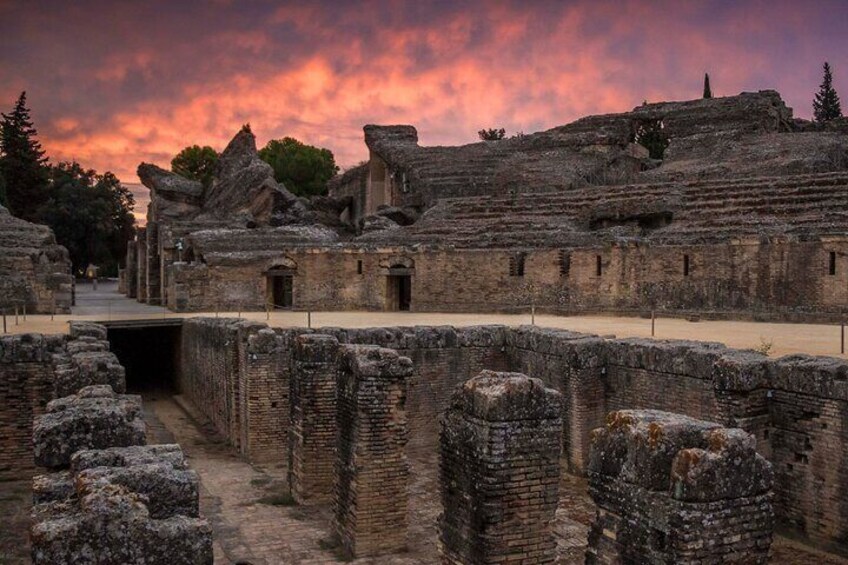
598,266
564,263
686,265
359,267
832,263
516,265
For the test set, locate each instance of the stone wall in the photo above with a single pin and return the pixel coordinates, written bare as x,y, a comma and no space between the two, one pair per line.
745,279
35,369
500,471
35,272
795,407
671,489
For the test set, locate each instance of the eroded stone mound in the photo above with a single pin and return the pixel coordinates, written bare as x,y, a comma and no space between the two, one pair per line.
94,418
120,505
672,489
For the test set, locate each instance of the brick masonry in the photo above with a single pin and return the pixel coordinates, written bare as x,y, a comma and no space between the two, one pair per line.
371,473
313,430
500,471
795,406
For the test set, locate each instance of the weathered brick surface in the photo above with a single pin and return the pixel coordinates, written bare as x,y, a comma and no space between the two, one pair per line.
371,472
500,471
671,489
312,432
264,394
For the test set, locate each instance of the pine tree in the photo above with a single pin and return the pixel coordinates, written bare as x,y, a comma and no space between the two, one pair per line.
708,93
826,104
22,162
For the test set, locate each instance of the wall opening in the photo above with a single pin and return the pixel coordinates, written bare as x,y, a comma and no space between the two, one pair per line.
280,288
686,265
400,292
359,267
150,356
516,265
831,268
599,268
564,264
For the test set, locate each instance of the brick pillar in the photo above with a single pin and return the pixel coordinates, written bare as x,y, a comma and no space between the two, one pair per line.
500,471
672,489
264,396
371,471
131,269
312,431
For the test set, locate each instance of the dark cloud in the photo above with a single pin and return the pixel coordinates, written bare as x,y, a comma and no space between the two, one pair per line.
115,83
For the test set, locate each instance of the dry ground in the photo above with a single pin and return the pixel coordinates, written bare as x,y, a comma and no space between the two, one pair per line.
815,339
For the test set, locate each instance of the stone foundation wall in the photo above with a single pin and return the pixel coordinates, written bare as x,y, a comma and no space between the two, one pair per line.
795,407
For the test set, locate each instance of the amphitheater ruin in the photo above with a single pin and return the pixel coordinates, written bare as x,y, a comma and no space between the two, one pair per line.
193,439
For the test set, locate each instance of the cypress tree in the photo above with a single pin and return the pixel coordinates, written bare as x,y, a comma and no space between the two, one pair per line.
826,103
3,201
22,162
708,93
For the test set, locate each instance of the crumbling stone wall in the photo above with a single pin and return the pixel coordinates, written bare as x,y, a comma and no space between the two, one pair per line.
35,272
35,369
371,472
120,505
313,429
500,471
671,489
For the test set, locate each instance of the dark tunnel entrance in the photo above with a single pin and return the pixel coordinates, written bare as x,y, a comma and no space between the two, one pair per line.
150,355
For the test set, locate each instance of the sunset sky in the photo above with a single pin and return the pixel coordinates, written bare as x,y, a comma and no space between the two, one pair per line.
114,83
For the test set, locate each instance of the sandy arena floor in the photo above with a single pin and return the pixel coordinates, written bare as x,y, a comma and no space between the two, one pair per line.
815,339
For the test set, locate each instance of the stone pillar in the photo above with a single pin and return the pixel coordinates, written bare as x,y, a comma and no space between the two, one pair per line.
131,269
371,471
141,261
500,471
312,431
671,489
153,282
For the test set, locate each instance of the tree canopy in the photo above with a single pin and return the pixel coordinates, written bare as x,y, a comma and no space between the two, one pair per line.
708,92
22,162
826,105
493,134
196,163
303,169
91,215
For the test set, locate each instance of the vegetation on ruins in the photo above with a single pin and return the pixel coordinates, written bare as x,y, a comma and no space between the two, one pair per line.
708,92
650,135
22,162
91,215
196,163
826,105
303,169
493,134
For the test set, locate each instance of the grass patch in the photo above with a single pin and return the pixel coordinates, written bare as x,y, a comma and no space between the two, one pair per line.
260,481
279,499
334,547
